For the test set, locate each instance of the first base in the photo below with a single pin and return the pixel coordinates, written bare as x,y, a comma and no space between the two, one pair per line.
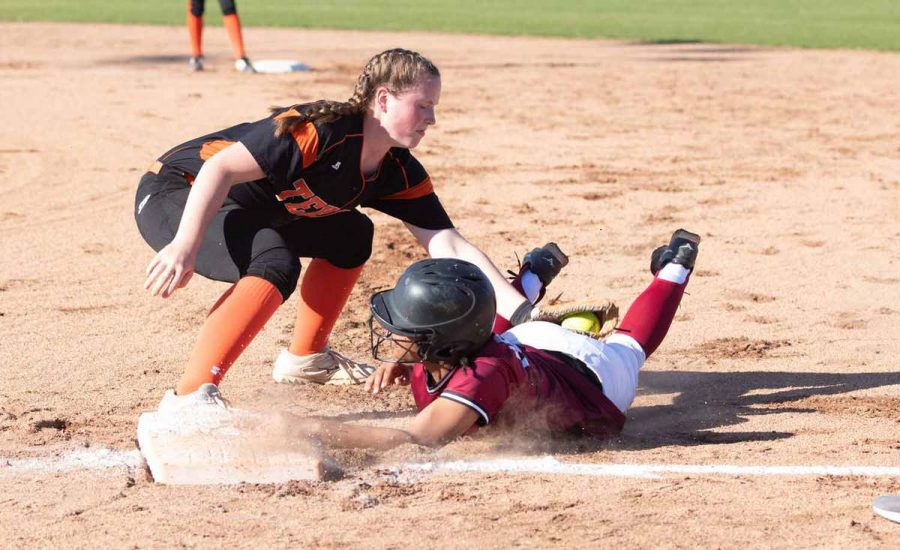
219,446
887,507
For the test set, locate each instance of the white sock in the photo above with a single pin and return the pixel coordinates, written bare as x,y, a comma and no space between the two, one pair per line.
531,286
674,273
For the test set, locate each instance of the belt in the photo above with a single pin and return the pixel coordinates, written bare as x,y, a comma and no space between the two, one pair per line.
578,365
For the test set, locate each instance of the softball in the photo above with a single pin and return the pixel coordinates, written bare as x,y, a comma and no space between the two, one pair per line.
584,321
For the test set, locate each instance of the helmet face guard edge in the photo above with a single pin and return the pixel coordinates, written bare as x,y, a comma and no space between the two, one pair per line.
387,343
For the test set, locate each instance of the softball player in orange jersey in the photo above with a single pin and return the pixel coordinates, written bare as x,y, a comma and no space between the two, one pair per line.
243,204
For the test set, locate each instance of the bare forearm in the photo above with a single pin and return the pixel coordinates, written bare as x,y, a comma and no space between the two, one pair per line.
440,422
206,197
338,435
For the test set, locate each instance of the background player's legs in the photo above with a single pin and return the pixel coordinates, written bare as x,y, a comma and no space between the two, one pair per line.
232,23
195,32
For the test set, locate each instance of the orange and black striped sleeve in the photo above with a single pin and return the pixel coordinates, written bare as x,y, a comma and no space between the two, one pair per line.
409,194
281,158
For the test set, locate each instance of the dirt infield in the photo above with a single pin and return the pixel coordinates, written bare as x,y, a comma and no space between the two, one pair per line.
784,352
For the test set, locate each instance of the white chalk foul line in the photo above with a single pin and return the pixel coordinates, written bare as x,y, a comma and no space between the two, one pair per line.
550,465
103,459
81,459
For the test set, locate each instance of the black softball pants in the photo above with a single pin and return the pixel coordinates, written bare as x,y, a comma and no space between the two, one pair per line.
198,7
243,241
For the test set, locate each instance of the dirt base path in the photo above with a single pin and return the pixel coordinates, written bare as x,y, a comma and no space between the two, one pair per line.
784,353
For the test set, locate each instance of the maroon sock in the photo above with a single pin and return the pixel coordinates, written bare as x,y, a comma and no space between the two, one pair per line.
501,323
649,317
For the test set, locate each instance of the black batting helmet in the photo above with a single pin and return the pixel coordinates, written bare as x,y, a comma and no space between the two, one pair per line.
442,309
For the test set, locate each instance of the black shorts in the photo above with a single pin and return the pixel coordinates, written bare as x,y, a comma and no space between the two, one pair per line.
199,6
247,240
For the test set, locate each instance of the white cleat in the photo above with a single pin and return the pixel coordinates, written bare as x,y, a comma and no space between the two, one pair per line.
195,63
207,395
243,65
326,367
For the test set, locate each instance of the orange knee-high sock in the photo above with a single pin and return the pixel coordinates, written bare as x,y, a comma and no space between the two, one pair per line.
230,327
195,31
233,26
323,295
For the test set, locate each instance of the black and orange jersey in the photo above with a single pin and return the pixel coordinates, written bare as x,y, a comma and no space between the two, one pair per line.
316,171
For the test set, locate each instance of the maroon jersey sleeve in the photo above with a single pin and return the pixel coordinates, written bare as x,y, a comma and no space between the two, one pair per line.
483,387
410,195
280,157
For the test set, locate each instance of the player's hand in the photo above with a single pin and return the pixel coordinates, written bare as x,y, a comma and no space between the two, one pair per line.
385,375
170,269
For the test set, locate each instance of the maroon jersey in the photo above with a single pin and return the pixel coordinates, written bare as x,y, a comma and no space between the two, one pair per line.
525,379
315,171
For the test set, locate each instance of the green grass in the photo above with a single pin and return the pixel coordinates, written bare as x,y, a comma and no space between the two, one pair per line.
871,24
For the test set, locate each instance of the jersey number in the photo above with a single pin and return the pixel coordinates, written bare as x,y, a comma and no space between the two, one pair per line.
310,205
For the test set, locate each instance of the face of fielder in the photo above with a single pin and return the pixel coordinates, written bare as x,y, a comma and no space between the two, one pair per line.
407,115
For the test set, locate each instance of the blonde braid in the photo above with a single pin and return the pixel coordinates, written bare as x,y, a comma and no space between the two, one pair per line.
397,69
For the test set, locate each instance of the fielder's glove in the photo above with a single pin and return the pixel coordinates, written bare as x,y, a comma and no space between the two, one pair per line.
607,314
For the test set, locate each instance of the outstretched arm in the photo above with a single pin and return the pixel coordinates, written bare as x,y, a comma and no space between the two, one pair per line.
440,422
448,243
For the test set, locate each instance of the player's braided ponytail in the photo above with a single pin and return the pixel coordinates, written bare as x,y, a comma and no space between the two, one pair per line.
398,70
